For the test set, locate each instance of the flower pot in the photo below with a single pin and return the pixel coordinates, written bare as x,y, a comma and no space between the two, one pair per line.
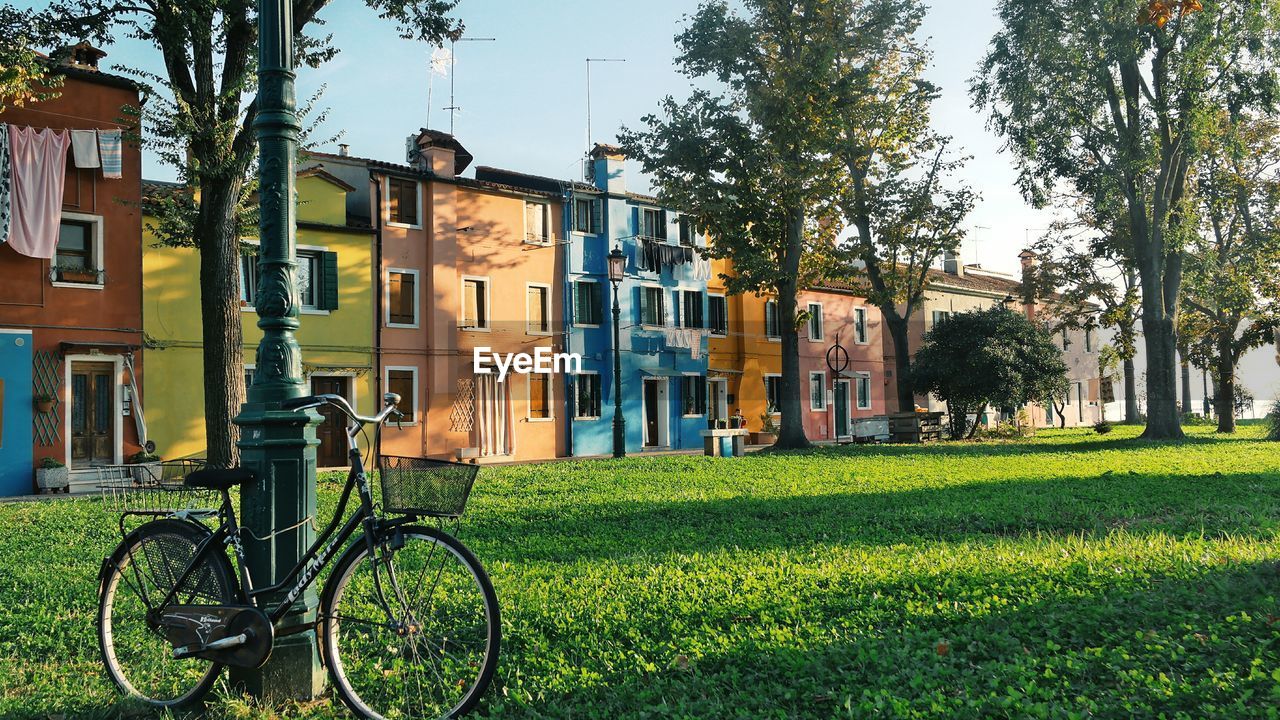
78,276
44,406
764,438
53,479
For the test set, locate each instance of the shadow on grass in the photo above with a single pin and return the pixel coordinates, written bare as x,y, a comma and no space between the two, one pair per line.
1246,505
1195,644
999,448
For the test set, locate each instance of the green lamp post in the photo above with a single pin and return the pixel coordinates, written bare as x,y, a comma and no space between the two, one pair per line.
279,445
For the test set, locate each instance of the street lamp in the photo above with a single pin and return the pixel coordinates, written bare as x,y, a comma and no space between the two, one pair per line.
617,269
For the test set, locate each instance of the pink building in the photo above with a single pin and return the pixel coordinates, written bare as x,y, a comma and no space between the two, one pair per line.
837,316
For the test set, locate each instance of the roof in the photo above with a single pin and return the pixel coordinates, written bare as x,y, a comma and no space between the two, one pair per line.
486,173
318,171
153,190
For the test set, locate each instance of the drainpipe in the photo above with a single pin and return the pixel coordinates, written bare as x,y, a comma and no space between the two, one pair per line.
378,389
566,312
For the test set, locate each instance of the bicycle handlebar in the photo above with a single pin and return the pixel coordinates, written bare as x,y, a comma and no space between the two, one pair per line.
311,401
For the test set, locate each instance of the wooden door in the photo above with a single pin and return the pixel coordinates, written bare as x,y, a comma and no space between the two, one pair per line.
93,389
841,403
650,413
332,430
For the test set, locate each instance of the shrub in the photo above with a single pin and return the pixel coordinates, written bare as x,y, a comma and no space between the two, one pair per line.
50,464
1102,427
142,456
1273,421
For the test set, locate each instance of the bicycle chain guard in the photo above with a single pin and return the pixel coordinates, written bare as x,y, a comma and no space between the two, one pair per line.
197,626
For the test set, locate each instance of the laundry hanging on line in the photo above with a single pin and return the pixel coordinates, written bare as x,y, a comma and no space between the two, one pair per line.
84,148
111,152
683,337
5,183
37,159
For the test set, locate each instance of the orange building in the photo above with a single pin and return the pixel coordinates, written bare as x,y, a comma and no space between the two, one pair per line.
71,327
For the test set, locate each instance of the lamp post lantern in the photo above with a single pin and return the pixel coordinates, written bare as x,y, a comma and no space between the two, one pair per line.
617,269
279,445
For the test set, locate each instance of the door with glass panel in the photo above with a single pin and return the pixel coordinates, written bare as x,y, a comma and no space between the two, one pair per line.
93,439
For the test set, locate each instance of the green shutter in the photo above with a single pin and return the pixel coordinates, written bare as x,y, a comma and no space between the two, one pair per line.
329,284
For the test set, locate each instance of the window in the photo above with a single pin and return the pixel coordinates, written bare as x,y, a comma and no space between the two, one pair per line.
864,391
248,376
1080,401
537,222
538,309
771,330
588,308
475,303
1066,341
815,322
653,309
317,279
402,201
76,258
403,381
940,315
688,232
694,401
539,397
653,223
587,402
817,391
718,314
860,326
402,298
1088,339
773,393
585,216
690,309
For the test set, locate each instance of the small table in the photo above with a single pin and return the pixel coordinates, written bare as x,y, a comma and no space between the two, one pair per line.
711,441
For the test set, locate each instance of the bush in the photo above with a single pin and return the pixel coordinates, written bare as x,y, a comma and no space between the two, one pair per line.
1273,421
50,463
1102,427
142,456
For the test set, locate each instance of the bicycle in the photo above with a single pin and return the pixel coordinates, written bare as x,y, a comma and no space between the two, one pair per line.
407,624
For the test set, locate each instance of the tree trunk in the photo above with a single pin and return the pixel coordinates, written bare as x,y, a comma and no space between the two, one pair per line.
901,358
1226,390
977,418
1186,387
791,433
1130,393
1163,419
217,237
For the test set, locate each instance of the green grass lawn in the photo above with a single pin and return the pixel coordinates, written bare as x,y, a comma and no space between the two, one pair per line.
1070,576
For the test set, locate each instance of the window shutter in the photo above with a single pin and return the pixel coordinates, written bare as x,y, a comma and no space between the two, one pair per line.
329,283
667,318
662,224
577,303
597,212
642,305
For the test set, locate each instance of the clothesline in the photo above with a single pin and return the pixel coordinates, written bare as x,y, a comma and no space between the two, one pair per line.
73,117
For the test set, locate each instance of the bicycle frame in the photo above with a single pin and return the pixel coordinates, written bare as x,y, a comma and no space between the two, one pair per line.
317,556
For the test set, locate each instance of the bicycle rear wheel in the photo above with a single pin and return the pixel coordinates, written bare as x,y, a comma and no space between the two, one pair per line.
413,632
139,575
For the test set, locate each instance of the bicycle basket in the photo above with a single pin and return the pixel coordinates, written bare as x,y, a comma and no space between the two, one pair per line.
154,488
418,486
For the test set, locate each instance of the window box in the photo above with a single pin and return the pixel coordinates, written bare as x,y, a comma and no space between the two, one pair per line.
76,274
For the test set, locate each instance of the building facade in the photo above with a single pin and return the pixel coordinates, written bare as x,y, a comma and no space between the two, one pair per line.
335,278
71,324
836,317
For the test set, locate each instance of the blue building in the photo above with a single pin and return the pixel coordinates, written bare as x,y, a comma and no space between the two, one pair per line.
664,313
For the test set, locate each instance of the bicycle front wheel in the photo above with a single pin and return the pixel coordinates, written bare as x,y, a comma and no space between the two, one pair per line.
412,630
139,575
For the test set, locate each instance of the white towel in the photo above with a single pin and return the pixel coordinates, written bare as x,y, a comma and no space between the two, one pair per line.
84,148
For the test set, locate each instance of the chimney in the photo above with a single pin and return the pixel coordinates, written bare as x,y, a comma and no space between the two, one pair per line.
344,150
608,168
81,56
951,264
438,153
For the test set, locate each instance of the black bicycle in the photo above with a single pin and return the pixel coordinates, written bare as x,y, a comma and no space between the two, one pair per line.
407,623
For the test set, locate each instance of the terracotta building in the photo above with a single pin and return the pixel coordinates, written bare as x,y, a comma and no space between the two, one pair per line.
71,326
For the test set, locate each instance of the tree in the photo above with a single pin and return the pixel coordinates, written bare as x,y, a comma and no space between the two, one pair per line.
205,131
1090,97
746,162
899,200
23,70
987,358
1232,299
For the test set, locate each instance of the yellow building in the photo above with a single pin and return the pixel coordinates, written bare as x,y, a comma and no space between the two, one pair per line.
745,360
336,334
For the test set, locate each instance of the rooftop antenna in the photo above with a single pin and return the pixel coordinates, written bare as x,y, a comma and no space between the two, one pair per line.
589,61
437,65
977,242
453,57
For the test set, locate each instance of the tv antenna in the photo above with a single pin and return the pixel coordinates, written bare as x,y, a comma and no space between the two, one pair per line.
589,61
453,59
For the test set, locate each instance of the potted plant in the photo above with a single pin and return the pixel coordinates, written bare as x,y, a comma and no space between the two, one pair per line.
44,403
737,421
52,476
768,434
76,274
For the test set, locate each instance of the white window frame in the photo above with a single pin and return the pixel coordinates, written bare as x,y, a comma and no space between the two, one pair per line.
822,384
550,237
576,415
528,398
858,399
99,261
766,376
706,401
662,312
591,217
599,294
777,314
809,325
660,214
726,314
249,368
528,318
386,383
312,309
417,298
680,303
860,321
386,204
462,304
117,412
934,319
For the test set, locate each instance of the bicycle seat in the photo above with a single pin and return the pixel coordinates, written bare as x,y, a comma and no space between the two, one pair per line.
220,478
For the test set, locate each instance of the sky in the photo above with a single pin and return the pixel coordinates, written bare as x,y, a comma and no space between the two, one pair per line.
522,98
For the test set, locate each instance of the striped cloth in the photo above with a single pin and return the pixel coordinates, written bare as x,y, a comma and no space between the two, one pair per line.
110,151
5,182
